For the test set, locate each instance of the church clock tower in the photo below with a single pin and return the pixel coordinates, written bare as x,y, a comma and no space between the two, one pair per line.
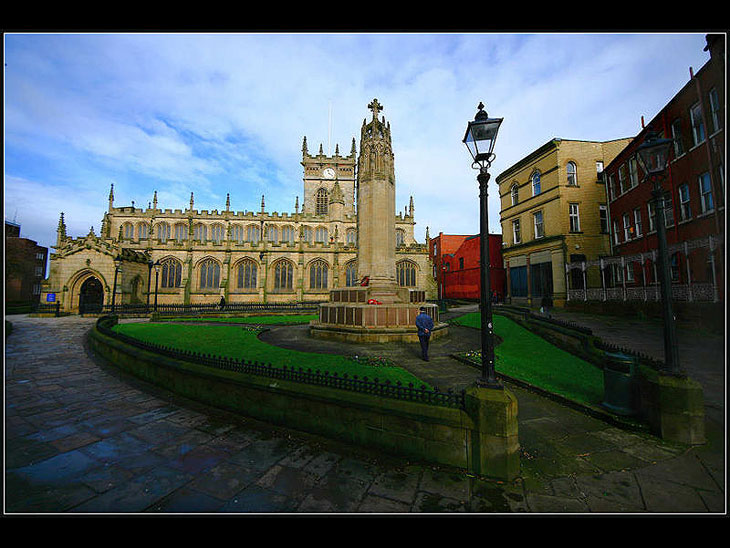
321,172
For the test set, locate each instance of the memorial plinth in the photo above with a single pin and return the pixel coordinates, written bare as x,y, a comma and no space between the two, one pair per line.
348,317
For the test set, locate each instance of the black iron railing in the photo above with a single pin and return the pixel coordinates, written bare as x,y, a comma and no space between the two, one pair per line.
562,323
643,358
47,308
212,308
352,383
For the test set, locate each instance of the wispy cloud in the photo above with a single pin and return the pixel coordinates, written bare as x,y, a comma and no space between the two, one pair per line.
226,113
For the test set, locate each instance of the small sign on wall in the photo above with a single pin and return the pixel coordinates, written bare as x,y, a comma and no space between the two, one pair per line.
51,298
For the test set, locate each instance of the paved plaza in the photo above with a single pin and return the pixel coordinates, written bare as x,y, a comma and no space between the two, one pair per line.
81,437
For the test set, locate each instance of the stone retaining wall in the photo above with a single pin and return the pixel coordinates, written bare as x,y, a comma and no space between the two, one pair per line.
481,438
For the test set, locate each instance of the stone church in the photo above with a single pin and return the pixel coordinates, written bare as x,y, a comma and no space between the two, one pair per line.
187,256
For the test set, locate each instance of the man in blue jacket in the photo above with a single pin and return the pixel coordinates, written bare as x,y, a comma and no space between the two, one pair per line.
424,323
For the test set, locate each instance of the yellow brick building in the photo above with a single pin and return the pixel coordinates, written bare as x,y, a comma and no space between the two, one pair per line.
553,211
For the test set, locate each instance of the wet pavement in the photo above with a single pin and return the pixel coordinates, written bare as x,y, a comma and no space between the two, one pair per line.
82,437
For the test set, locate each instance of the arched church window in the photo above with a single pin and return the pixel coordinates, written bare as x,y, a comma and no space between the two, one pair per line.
287,234
128,231
351,274
210,274
318,274
142,231
163,232
283,275
200,233
239,234
405,272
322,201
181,232
247,271
253,234
272,234
320,234
306,234
351,237
171,273
400,237
216,233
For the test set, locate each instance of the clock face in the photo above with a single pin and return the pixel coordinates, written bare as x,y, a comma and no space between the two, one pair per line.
329,173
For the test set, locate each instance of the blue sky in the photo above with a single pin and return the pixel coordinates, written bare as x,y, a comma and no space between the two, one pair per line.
226,113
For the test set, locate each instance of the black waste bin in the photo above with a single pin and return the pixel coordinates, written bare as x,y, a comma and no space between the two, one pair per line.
620,384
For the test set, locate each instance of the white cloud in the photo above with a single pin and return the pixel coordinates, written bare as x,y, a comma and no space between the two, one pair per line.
226,113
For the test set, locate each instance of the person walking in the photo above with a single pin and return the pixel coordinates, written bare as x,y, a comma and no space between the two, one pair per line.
546,304
424,323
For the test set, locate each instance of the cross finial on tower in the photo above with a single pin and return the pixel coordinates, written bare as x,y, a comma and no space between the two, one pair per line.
376,107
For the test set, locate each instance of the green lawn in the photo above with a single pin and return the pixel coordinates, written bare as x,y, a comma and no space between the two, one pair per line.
243,343
257,320
530,358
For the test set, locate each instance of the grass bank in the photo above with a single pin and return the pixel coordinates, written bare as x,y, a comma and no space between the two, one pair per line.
531,359
243,343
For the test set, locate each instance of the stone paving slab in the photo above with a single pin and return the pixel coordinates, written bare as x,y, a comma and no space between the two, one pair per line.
81,437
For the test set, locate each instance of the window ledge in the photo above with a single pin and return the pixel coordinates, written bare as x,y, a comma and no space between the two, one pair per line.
698,145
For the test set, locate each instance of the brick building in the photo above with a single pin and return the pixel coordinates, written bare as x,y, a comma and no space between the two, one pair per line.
695,187
457,269
438,249
553,211
25,267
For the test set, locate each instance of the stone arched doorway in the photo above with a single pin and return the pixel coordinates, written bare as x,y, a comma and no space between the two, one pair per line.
91,296
137,290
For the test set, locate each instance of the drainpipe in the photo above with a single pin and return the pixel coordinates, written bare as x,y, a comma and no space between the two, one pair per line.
708,148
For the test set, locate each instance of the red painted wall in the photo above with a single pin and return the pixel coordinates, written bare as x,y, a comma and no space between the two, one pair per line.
462,277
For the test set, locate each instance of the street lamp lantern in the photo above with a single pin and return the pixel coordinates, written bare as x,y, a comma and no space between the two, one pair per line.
653,154
480,136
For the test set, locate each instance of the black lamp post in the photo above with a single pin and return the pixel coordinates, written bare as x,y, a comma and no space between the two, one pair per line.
117,267
653,158
479,139
156,265
442,299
